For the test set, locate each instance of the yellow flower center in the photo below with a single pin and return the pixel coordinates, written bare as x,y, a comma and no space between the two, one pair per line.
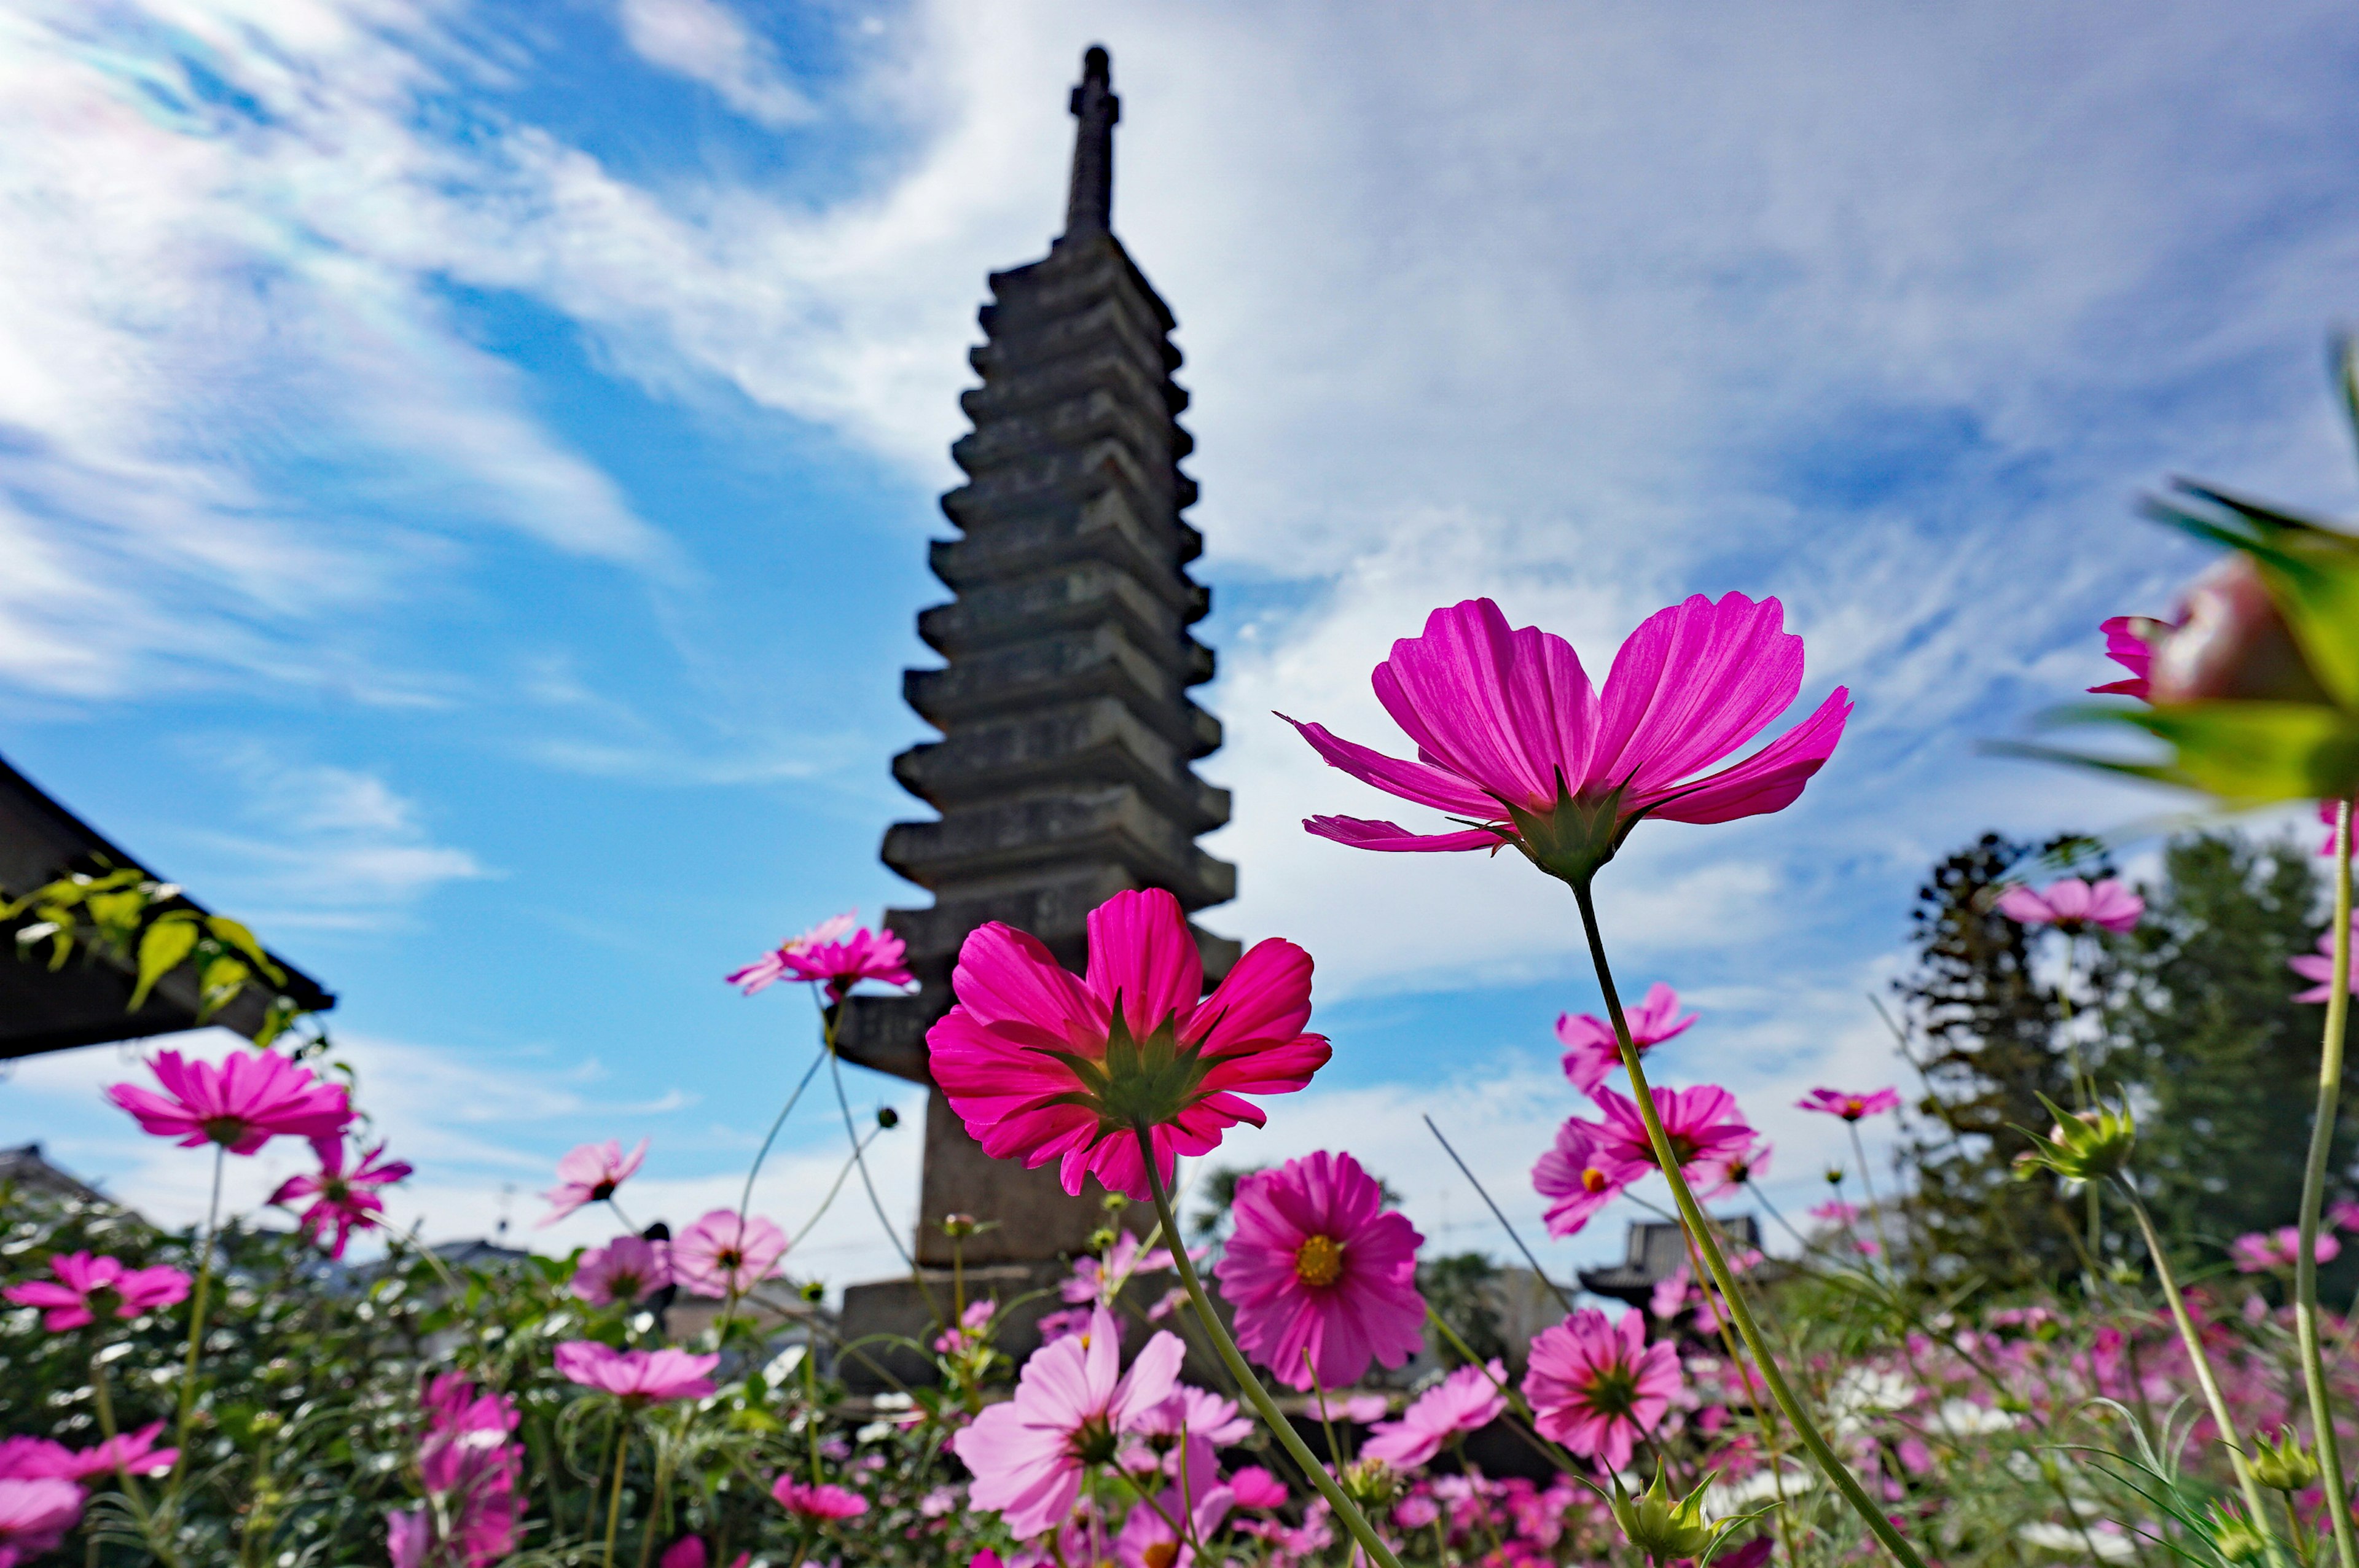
1592,1180
1160,1554
1319,1261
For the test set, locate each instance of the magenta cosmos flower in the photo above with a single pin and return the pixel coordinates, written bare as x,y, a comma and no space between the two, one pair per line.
1576,1180
817,1501
34,1514
624,1272
1597,1387
1724,1173
1044,1066
1511,738
470,1464
341,1201
641,1376
2318,967
132,1453
589,1173
723,1255
1702,1123
1850,1106
1591,1051
2261,1250
1322,1274
85,1286
2072,904
250,1098
1467,1401
1073,1404
837,952
2127,645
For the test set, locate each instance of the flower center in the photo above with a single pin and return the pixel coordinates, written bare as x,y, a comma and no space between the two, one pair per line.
1612,1392
225,1129
603,1191
729,1258
1592,1180
1319,1261
1160,1554
1093,1441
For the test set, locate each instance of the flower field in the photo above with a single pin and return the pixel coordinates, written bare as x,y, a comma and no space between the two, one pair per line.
1281,1385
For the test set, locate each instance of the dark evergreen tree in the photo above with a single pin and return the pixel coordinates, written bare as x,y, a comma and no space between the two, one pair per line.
1987,1037
2226,1063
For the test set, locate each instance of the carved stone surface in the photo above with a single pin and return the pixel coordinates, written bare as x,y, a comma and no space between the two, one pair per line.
1062,774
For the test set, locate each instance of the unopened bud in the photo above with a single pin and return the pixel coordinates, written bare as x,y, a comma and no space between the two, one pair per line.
814,1292
1371,1483
2284,1466
1115,1203
957,1226
2234,1539
887,1118
1663,1527
2083,1147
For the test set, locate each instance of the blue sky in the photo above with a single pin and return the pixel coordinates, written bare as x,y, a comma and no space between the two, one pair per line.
465,472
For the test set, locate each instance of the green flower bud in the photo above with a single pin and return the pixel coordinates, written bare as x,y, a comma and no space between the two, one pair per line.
2284,1466
1661,1526
2083,1147
887,1118
1371,1483
2234,1539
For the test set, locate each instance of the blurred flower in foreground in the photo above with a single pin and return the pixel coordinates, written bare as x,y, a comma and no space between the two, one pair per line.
85,1286
637,1377
2072,904
1591,1050
2260,1250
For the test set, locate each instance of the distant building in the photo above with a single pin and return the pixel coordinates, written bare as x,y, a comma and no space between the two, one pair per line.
24,1168
1656,1250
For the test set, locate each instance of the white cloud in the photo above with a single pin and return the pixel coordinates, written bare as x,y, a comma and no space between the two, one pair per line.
705,41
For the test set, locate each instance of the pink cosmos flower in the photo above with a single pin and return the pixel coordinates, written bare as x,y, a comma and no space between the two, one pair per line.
1096,1280
1597,1387
470,1464
2318,967
1357,1409
1147,1540
1044,1066
2343,1213
2126,646
1416,1513
85,1286
250,1098
1199,1423
23,1457
1467,1401
972,1324
590,1174
1318,1267
131,1453
1073,1406
1834,1211
2261,1250
1850,1107
342,1201
817,1501
1575,1179
625,1272
1591,1052
721,1255
1702,1123
1724,1173
1511,737
2070,904
639,1377
34,1514
1255,1488
838,953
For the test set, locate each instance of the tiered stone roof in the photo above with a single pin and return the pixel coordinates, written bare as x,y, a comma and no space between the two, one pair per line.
1063,771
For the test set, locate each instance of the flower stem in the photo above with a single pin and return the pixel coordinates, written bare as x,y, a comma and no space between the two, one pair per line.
1250,1386
1700,1226
197,1311
2199,1358
2313,1196
614,1496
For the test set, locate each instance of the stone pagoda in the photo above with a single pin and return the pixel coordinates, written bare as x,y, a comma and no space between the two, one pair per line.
1062,775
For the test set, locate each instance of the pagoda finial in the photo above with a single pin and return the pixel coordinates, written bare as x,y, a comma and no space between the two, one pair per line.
1088,204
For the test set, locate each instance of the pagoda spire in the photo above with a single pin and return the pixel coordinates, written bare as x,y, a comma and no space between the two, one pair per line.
1089,200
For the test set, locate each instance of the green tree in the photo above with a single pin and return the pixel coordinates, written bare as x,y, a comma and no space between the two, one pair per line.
2226,1064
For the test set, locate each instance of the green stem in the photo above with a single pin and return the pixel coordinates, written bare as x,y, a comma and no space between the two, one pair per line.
614,1496
1700,1226
197,1311
2198,1358
2313,1197
1250,1386
654,1505
2084,1095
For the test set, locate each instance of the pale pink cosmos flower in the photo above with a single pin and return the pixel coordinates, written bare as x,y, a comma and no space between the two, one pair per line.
1318,1268
1702,1123
1591,1051
637,1377
1726,1172
1597,1387
1849,1104
1416,1511
85,1286
970,1328
127,1452
1097,1280
1357,1409
1186,1432
1255,1488
1041,1065
1511,736
1073,1404
1575,1179
624,1272
589,1173
838,953
34,1514
252,1098
1467,1401
817,1500
2261,1250
1148,1538
1834,1211
2072,904
2318,967
341,1201
721,1255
